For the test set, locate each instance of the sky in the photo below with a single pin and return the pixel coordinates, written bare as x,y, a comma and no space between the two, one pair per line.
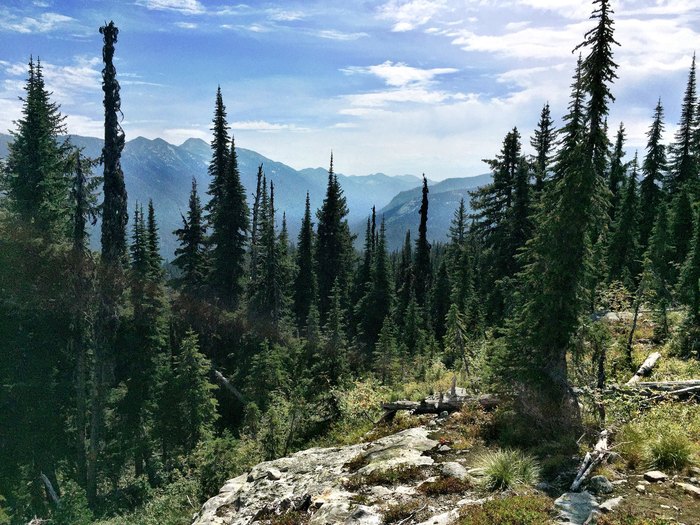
391,86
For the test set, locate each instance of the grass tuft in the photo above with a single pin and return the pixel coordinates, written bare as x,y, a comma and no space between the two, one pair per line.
503,469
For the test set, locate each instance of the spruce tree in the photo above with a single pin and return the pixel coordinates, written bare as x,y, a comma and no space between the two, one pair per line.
191,255
543,144
623,254
305,280
333,245
618,168
114,211
555,258
404,276
440,302
228,216
332,360
681,228
422,269
38,163
653,169
683,166
385,362
656,266
689,281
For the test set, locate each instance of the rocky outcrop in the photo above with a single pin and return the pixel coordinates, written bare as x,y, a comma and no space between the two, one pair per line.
316,480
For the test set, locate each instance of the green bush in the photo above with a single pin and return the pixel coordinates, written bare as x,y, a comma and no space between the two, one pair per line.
671,450
73,509
503,469
516,510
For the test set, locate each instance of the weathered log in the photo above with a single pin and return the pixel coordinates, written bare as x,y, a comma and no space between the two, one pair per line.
645,369
592,459
442,404
49,489
668,385
221,379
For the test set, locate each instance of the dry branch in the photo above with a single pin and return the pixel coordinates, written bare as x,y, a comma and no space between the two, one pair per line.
645,369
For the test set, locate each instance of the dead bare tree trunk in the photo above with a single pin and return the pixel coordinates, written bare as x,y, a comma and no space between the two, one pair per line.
645,369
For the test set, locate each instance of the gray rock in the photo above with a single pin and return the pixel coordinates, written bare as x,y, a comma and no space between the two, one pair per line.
444,414
314,478
690,489
273,474
444,448
600,485
640,488
655,476
454,470
611,504
575,507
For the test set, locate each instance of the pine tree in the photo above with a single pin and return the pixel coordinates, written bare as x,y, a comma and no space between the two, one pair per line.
681,228
455,338
653,168
228,215
305,280
38,163
254,229
331,363
385,353
656,266
404,276
377,302
689,280
623,254
422,269
333,245
543,143
684,168
550,301
114,211
618,169
191,255
440,301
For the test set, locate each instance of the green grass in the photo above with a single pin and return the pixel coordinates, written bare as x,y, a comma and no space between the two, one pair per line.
515,510
387,477
504,469
444,485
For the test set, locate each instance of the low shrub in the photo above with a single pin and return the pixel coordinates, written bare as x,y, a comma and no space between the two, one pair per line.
291,518
444,485
391,476
400,511
515,510
671,450
503,469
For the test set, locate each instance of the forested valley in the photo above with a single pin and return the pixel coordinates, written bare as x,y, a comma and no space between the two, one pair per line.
132,388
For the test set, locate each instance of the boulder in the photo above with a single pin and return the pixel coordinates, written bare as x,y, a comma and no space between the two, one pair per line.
655,476
610,504
600,485
690,489
453,469
575,507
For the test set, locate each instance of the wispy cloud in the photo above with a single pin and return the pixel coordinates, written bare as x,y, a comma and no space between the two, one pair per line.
42,23
332,34
186,25
188,7
283,15
400,74
408,15
262,125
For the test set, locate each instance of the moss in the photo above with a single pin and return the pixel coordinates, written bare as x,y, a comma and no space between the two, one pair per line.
515,510
392,476
444,485
400,511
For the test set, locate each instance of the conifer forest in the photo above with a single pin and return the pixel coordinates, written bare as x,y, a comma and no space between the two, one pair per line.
133,387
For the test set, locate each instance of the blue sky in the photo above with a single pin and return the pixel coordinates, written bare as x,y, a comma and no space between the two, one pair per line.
393,86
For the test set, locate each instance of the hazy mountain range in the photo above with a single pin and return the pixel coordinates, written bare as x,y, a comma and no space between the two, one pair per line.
163,172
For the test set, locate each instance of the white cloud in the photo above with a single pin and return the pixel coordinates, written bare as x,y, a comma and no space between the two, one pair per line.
408,15
186,25
264,126
332,34
188,7
179,135
283,15
400,74
43,23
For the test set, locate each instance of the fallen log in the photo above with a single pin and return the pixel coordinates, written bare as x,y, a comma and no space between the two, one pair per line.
598,455
667,385
442,404
645,369
221,379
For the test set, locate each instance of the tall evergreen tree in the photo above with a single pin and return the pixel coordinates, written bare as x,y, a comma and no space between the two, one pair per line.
190,255
656,266
618,168
114,211
38,163
689,281
653,168
543,144
684,168
333,245
305,280
422,269
623,254
404,276
681,225
228,216
440,301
